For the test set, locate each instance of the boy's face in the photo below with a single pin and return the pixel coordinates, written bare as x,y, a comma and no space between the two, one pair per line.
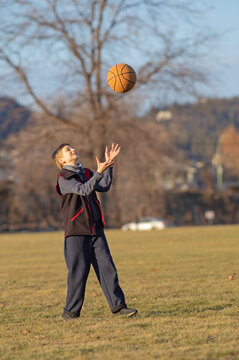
69,155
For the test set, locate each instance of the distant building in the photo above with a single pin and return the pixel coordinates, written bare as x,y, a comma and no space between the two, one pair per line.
184,178
164,115
203,100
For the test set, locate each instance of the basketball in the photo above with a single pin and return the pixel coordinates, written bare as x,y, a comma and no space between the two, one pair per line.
121,78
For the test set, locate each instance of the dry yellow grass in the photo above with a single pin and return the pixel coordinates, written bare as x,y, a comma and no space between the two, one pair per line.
182,280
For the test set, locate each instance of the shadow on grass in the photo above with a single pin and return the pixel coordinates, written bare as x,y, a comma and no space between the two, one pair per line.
177,311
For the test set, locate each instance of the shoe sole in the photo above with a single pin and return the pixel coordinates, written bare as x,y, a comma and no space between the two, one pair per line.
132,314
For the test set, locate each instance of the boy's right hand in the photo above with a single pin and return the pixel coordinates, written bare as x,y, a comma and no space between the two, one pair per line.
102,166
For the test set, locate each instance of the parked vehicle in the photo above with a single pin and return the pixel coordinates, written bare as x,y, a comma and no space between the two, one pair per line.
147,223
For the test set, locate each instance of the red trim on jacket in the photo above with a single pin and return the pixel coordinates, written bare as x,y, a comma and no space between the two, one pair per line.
79,212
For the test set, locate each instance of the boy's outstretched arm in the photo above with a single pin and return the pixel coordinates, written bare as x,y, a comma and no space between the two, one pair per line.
100,181
74,186
106,181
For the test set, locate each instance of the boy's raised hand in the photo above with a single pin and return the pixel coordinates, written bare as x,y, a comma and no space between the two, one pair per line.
109,158
102,166
113,153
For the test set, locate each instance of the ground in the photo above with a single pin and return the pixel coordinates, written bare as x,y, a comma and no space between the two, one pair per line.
181,280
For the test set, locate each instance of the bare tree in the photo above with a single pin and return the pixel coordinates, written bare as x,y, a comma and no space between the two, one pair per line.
73,43
82,39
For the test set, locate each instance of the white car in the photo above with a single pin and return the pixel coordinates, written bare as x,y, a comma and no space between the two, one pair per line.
147,223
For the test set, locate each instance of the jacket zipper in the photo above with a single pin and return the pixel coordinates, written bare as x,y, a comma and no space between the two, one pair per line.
91,221
97,202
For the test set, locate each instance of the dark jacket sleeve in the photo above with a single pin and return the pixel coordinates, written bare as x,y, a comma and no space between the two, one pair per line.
105,182
74,186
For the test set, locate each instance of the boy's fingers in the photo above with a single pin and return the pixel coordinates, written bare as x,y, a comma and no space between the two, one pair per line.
117,151
117,148
111,163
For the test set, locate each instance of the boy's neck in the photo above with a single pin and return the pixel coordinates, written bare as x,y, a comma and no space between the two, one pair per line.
71,163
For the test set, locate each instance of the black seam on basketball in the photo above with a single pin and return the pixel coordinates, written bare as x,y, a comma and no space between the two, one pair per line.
115,83
128,72
123,68
119,75
132,82
120,79
114,76
111,78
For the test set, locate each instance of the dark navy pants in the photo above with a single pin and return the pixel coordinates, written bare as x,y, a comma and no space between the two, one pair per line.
80,252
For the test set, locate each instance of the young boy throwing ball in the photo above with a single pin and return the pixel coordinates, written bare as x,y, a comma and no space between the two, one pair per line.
85,241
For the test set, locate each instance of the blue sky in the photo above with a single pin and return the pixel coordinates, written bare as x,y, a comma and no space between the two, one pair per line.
222,62
224,18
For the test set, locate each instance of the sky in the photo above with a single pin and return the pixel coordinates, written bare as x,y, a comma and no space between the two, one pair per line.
224,18
222,63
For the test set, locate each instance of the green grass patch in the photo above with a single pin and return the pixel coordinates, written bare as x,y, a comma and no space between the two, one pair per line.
179,279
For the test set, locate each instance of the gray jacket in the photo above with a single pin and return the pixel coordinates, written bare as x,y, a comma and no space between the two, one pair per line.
98,182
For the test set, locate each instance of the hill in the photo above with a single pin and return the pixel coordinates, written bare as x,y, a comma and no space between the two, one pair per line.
13,117
197,127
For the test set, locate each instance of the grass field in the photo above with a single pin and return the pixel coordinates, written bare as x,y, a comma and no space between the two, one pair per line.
177,278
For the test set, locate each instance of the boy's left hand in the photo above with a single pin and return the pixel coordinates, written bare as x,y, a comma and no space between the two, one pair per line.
113,153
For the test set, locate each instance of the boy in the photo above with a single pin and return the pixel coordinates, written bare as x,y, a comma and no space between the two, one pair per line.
85,241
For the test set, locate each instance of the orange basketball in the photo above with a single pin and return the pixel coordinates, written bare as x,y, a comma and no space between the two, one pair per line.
121,78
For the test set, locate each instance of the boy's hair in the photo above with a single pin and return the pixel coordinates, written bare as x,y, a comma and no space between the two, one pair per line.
57,154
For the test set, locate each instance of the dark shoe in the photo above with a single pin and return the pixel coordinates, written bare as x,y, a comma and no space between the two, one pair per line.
128,312
67,315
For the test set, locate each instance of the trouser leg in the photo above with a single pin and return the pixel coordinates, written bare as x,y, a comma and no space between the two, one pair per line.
106,272
77,253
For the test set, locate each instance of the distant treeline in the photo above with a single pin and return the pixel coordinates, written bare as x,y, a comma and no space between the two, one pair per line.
199,126
151,149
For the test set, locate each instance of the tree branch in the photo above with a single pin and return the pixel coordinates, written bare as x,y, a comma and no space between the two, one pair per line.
22,75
